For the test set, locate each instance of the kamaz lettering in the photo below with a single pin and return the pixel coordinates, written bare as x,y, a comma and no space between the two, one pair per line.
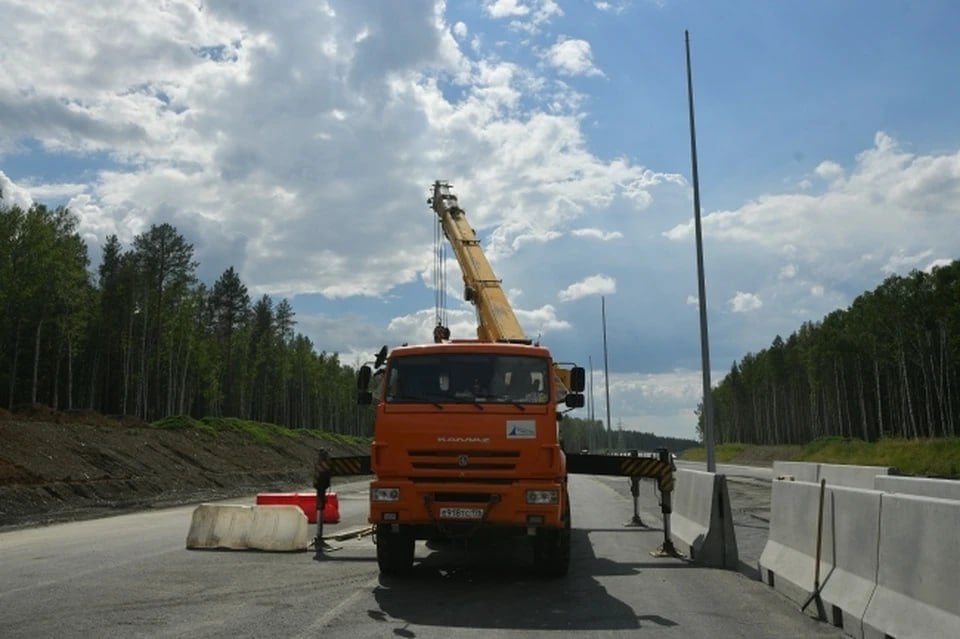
463,440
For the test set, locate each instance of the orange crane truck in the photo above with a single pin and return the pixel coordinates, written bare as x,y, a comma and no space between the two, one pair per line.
466,432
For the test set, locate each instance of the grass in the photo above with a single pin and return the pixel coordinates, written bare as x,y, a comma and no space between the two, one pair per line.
261,432
923,457
930,457
183,422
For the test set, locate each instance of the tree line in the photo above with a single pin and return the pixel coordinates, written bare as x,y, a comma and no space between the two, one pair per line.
579,434
887,366
141,336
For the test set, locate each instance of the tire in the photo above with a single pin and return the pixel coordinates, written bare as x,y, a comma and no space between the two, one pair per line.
551,551
394,551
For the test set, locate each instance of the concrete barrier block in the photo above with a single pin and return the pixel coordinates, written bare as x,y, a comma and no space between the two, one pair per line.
701,522
235,527
787,562
848,549
218,526
851,476
918,579
920,486
278,529
851,536
800,471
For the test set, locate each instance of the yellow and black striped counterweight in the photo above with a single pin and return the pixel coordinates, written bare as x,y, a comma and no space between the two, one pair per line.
623,466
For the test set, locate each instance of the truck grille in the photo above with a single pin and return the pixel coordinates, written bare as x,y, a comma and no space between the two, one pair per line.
470,498
464,461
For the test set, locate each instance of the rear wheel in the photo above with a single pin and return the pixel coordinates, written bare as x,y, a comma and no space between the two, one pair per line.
394,551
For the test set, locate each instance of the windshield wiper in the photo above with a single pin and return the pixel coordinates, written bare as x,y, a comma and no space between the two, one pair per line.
499,399
410,398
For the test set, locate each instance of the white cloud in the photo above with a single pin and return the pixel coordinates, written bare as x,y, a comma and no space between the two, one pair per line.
661,403
572,57
816,290
788,272
936,264
617,7
693,300
900,261
597,234
888,199
830,171
527,16
506,8
593,285
195,106
12,195
745,302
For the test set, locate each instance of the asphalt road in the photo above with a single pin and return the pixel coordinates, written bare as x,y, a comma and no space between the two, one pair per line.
130,576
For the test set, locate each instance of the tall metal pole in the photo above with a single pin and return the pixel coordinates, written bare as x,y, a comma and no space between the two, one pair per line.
606,369
701,287
591,410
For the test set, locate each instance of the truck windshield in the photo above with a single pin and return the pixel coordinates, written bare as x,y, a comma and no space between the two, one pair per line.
468,378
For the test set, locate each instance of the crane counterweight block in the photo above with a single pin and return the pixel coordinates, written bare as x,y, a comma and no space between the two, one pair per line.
620,466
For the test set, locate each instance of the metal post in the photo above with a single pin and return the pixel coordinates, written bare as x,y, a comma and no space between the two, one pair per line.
667,549
606,369
635,491
701,286
815,595
321,482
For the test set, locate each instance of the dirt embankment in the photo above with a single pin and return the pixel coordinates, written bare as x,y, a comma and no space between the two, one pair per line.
60,467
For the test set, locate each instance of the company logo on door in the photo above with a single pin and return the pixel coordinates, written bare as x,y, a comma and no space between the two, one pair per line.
521,429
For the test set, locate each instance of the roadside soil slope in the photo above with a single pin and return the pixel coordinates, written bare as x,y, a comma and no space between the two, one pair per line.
57,467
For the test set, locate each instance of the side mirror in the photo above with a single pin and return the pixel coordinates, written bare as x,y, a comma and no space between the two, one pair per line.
363,378
573,400
364,397
578,380
381,357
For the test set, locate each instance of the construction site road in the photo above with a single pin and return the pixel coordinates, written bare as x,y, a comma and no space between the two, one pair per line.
130,575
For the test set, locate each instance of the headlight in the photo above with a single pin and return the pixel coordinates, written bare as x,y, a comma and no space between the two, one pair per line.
384,494
543,496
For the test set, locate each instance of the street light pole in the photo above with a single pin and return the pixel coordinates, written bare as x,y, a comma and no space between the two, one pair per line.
606,369
708,441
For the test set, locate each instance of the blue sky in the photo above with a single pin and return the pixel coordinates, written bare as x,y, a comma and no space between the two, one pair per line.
296,143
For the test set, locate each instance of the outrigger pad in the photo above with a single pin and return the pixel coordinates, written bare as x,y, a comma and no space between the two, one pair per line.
235,527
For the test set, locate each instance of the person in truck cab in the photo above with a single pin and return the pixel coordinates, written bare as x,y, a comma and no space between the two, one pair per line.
521,386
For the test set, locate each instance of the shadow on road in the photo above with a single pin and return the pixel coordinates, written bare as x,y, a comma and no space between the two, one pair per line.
494,587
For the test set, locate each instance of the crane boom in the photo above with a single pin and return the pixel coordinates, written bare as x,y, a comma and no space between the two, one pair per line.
496,321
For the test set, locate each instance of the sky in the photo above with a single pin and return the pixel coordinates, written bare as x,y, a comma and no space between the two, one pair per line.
297,141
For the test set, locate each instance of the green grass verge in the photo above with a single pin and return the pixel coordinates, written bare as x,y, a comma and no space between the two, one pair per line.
922,457
183,422
262,432
930,457
724,453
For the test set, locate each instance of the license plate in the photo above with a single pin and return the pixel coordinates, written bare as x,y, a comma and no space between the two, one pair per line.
461,513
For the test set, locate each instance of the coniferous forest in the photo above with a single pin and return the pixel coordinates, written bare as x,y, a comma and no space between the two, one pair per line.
887,366
141,336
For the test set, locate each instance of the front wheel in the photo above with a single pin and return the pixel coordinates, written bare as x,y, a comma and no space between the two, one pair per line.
394,551
551,551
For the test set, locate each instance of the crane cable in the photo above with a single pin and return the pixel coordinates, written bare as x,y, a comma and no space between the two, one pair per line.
440,331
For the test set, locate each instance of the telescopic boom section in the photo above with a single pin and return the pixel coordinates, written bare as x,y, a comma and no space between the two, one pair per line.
496,321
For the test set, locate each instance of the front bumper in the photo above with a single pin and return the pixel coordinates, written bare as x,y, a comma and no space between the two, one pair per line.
458,504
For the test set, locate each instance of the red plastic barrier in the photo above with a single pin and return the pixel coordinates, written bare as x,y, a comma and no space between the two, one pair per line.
331,513
307,503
